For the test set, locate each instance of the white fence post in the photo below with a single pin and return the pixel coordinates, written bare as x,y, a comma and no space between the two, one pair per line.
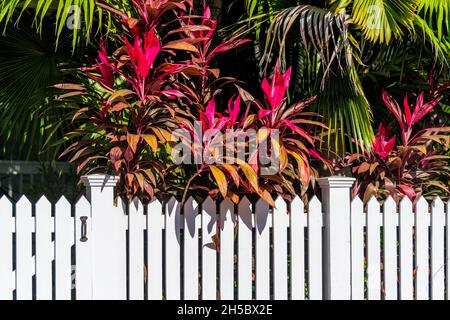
108,237
336,205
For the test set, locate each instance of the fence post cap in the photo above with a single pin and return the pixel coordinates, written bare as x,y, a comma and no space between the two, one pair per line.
100,180
336,182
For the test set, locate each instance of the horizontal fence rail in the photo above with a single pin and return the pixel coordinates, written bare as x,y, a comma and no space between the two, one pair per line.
221,250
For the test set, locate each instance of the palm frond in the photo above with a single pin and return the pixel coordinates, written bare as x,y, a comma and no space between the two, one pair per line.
382,20
28,66
75,15
437,14
341,99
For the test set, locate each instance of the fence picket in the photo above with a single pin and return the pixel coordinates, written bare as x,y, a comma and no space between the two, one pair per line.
280,220
373,250
136,250
390,218
315,223
155,225
437,250
173,244
227,221
357,249
422,265
297,275
83,250
7,281
24,259
245,227
64,239
191,266
262,249
209,253
172,254
44,252
406,250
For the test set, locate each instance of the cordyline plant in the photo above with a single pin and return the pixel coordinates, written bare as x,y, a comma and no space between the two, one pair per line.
158,77
127,110
283,129
412,168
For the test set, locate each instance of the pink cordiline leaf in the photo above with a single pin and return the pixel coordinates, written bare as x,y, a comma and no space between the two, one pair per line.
393,106
275,91
298,130
382,145
407,190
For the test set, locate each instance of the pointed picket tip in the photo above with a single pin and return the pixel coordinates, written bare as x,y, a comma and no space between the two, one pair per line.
82,201
172,206
191,203
297,201
314,203
390,202
357,201
62,202
172,199
373,202
208,201
4,201
437,201
280,203
262,204
245,202
23,201
405,203
422,203
43,201
191,199
227,204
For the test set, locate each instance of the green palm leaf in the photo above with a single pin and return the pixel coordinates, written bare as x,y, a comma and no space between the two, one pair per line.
75,15
341,99
28,66
382,20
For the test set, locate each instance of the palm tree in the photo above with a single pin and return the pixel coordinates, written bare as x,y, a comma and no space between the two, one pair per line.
340,49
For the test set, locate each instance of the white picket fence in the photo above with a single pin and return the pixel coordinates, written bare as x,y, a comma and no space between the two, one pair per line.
166,251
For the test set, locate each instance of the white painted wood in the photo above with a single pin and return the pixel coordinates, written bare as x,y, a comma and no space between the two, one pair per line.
172,254
422,255
357,249
297,275
44,249
262,249
315,223
245,240
373,250
209,253
25,264
406,250
7,281
437,250
280,222
64,239
191,253
155,225
83,251
109,279
390,218
136,250
226,252
337,250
